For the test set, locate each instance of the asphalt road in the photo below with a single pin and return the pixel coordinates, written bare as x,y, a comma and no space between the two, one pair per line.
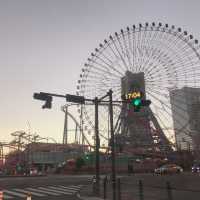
59,187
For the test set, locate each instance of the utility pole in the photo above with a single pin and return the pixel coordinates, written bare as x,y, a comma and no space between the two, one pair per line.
96,102
112,144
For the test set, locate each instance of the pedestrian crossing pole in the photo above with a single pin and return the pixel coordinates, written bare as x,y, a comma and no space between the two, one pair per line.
29,196
1,195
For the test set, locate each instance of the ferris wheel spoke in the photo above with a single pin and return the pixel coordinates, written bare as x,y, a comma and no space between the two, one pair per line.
143,49
181,65
95,77
182,52
101,71
155,97
163,124
162,102
122,48
116,56
134,49
128,52
165,89
181,62
162,59
119,52
100,66
119,61
111,64
108,66
155,54
179,79
139,47
165,82
161,79
175,119
130,48
146,46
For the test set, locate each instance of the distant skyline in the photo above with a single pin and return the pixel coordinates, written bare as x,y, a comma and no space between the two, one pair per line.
44,45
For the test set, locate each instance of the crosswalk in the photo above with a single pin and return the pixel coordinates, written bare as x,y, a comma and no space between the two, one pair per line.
41,191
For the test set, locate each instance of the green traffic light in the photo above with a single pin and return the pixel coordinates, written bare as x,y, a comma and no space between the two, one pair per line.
136,102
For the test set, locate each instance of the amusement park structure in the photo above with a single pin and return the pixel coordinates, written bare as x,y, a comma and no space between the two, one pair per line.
20,142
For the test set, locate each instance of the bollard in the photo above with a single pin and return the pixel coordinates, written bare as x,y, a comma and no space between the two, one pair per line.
1,195
28,196
141,192
94,188
105,188
169,191
119,188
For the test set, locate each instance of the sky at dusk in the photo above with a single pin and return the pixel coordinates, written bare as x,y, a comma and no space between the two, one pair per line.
44,44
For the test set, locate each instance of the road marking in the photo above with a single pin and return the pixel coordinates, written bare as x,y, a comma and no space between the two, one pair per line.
62,189
54,190
14,193
50,190
42,191
69,188
32,193
75,187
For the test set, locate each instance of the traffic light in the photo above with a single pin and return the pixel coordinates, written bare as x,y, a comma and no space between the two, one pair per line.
44,97
145,102
48,104
137,103
75,98
87,157
135,98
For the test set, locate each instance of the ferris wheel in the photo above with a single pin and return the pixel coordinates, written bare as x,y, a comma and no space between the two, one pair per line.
170,60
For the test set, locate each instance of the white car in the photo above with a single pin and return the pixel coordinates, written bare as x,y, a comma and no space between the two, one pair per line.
33,172
169,169
196,168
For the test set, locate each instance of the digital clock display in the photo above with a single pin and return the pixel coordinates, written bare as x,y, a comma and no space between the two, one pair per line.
132,95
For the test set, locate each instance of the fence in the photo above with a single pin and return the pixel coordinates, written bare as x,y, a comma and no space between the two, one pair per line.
139,190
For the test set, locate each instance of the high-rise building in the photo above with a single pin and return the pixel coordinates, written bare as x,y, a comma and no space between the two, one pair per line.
185,104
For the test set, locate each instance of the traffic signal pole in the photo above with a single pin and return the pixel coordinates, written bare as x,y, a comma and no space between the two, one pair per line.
47,97
112,144
96,102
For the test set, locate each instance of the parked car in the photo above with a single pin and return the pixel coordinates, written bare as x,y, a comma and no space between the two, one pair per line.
196,168
169,169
